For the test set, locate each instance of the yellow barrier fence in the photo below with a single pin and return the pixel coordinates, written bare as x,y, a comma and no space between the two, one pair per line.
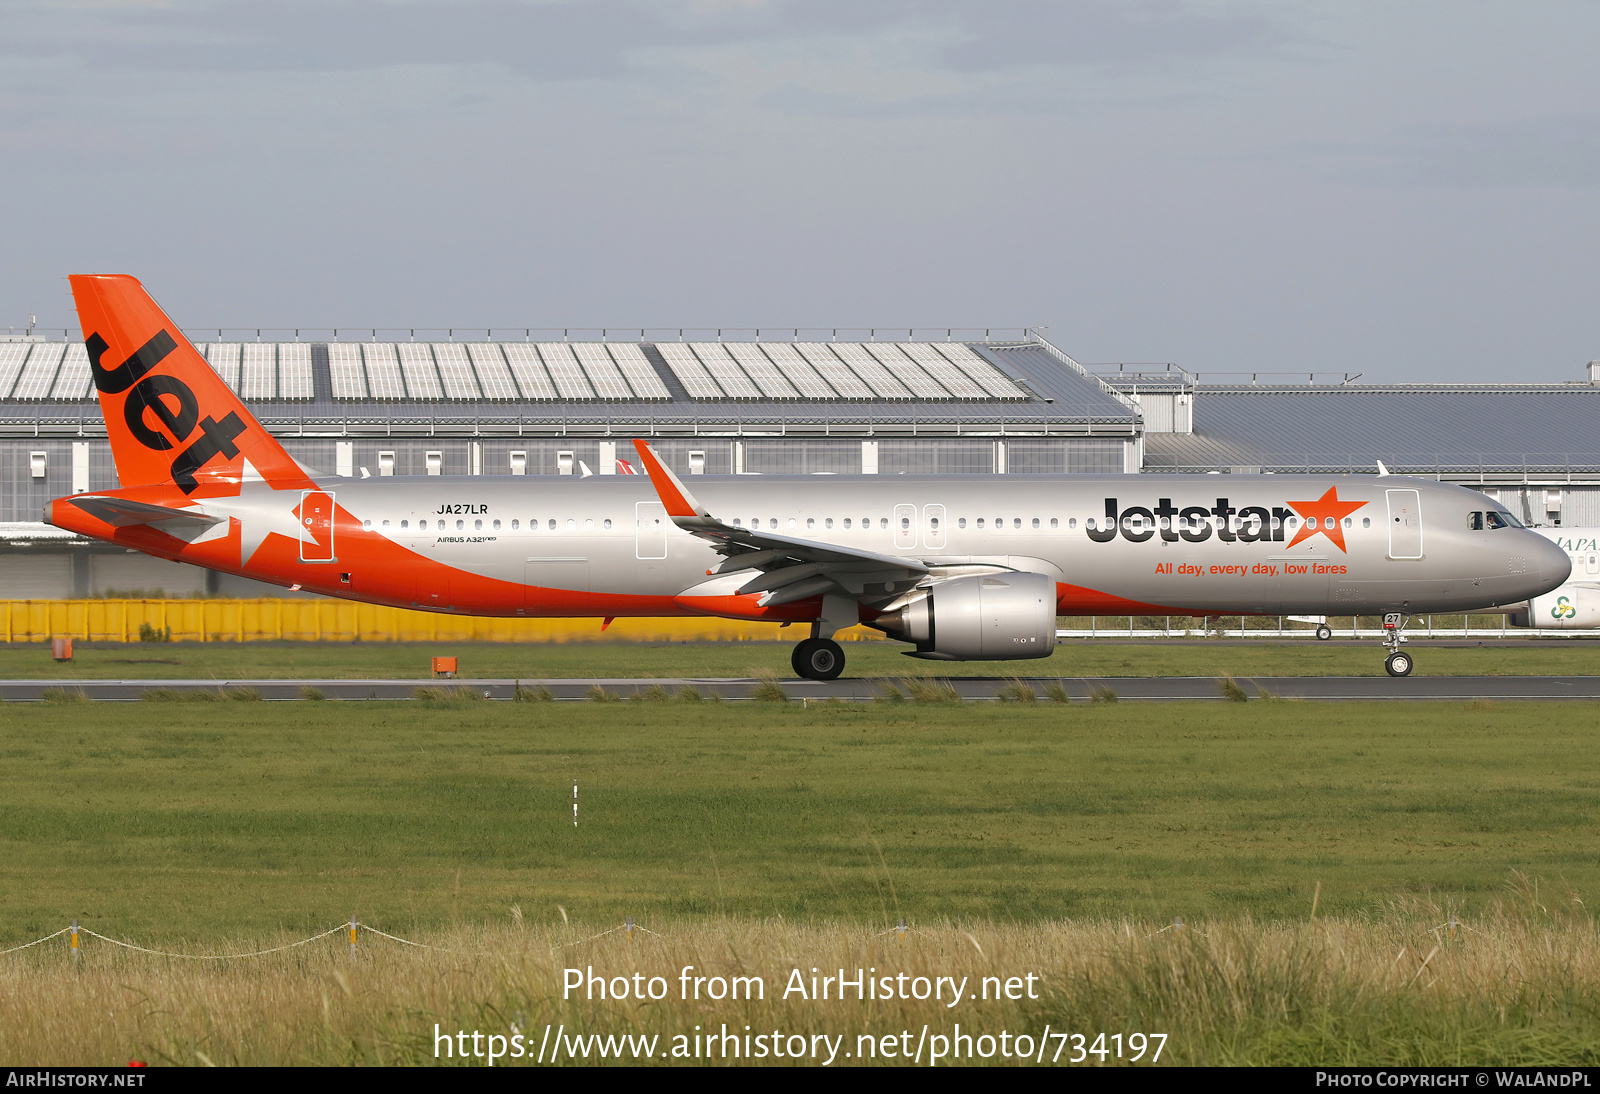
346,621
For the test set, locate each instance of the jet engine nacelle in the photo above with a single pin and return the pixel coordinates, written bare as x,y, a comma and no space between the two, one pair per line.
980,617
1569,608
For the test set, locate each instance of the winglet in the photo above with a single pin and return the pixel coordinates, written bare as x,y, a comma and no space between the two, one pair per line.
669,488
1382,470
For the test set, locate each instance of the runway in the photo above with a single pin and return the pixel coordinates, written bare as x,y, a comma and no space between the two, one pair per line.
970,688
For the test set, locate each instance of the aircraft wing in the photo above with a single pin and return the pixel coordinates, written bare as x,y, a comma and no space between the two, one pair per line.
122,513
790,568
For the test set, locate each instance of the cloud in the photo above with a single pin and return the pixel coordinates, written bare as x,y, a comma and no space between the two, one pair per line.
544,41
1105,34
593,39
1559,151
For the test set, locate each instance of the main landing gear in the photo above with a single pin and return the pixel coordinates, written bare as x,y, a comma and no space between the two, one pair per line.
1398,663
1324,632
818,659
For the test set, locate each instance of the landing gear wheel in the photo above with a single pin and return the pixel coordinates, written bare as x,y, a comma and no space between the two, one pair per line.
1324,632
1398,664
818,659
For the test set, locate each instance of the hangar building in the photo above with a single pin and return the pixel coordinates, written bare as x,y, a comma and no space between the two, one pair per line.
1527,444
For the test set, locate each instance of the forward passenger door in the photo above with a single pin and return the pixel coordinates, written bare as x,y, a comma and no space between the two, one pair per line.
1405,523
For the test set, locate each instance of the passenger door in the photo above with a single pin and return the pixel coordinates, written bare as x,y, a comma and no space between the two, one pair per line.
1405,524
650,530
316,526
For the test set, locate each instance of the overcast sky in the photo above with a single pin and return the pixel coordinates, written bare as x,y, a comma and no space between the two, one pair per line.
1405,190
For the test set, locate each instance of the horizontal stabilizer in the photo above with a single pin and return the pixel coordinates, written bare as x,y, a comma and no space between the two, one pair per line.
121,513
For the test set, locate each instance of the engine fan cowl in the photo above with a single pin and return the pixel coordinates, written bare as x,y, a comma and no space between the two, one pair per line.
1571,607
979,617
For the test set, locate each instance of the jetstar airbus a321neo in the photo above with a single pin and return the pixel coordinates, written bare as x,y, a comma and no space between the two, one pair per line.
964,567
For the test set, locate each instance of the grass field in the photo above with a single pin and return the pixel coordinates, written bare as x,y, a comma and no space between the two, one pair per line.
711,660
174,822
759,837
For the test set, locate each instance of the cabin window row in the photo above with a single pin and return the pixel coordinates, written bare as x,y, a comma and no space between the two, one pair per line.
492,525
1133,523
755,522
934,523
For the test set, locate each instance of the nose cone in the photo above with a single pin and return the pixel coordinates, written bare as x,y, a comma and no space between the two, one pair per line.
1548,565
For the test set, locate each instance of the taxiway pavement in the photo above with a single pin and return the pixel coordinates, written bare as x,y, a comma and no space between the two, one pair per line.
973,688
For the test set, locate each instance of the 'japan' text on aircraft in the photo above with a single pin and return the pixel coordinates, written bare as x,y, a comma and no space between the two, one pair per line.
964,567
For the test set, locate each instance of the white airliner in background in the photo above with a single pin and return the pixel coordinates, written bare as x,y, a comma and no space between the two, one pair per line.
1575,605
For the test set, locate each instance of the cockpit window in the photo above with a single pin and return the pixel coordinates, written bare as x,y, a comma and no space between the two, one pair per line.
1475,521
1503,520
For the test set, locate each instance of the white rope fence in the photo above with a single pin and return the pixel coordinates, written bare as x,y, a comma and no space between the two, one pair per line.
210,956
36,941
353,926
627,925
423,945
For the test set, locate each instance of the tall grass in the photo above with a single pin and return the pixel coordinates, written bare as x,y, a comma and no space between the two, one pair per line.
926,690
766,688
1017,691
1512,987
435,693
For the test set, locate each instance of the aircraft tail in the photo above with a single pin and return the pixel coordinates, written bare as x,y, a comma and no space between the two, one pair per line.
170,418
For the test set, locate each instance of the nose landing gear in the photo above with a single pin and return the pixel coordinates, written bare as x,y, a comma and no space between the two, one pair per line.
1398,663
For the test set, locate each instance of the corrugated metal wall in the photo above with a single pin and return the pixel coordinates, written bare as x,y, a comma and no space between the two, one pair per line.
343,621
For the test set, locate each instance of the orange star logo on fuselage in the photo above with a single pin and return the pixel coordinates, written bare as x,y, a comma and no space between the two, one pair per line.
1325,516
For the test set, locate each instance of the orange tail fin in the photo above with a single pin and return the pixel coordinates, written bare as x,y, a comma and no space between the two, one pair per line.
169,416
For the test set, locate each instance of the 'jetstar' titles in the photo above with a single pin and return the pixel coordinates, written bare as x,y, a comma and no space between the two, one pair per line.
1193,523
1250,524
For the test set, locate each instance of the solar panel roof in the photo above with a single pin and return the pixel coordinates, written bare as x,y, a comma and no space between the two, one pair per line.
1411,427
806,387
